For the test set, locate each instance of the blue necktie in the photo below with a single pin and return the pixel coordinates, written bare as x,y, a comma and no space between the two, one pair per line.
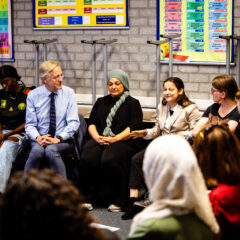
52,124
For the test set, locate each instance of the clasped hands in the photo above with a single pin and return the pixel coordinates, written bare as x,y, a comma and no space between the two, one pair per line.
103,140
47,140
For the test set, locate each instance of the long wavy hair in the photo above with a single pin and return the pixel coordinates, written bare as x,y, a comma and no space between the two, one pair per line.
182,98
218,150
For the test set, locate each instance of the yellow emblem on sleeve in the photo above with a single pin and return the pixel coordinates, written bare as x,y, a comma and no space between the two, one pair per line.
21,106
10,109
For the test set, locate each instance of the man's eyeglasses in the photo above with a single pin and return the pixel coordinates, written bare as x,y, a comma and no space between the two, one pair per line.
58,76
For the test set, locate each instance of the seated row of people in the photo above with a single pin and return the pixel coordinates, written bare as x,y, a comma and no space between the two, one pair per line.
116,160
115,127
116,118
114,154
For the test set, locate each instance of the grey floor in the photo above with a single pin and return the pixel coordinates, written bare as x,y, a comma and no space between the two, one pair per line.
114,220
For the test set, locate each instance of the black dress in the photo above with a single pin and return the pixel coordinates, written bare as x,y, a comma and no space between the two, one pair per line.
106,168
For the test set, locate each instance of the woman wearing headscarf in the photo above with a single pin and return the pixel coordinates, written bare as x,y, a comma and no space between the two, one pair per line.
180,206
106,156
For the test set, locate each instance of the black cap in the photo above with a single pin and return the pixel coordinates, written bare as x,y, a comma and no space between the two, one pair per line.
8,71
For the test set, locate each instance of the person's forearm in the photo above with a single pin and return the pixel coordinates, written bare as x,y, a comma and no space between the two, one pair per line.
93,132
70,129
32,132
14,131
124,135
200,124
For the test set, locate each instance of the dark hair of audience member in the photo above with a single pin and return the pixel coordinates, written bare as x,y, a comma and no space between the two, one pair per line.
42,205
218,151
182,98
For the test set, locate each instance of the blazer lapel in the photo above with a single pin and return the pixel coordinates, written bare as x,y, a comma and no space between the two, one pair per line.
163,115
176,114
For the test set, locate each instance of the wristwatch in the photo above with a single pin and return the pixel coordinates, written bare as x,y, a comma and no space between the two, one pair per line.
60,138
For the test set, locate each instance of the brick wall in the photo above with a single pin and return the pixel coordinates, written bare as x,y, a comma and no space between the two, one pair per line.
131,53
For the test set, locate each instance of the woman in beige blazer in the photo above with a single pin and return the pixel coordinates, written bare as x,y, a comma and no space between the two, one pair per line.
176,115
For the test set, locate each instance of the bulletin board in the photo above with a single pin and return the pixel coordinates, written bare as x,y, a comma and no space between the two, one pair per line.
6,42
200,23
80,14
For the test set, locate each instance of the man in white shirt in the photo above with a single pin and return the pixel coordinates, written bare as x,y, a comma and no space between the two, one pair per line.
48,139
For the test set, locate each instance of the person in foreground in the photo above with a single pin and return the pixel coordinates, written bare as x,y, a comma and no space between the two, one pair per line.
218,151
106,156
180,207
176,115
224,110
40,204
13,97
51,119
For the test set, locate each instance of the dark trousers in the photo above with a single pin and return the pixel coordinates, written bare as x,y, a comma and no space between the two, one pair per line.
136,179
53,153
106,170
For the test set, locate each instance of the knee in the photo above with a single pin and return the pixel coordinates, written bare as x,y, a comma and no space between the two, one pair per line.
91,154
86,156
50,149
108,161
138,157
37,152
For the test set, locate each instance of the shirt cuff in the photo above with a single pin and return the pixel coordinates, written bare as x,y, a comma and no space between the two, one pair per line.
34,136
63,135
149,134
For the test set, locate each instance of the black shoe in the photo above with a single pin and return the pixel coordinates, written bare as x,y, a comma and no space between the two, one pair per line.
131,210
143,203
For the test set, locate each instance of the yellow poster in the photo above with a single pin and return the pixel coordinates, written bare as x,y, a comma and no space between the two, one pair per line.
80,14
200,23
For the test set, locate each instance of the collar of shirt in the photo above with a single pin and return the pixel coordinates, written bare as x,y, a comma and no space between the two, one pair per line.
46,92
169,117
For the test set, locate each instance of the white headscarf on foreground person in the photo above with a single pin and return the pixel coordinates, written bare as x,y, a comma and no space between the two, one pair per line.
175,182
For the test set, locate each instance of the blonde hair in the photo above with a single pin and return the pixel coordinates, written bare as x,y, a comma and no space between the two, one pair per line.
46,67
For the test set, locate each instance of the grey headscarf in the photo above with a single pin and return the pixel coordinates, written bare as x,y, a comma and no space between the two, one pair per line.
123,77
